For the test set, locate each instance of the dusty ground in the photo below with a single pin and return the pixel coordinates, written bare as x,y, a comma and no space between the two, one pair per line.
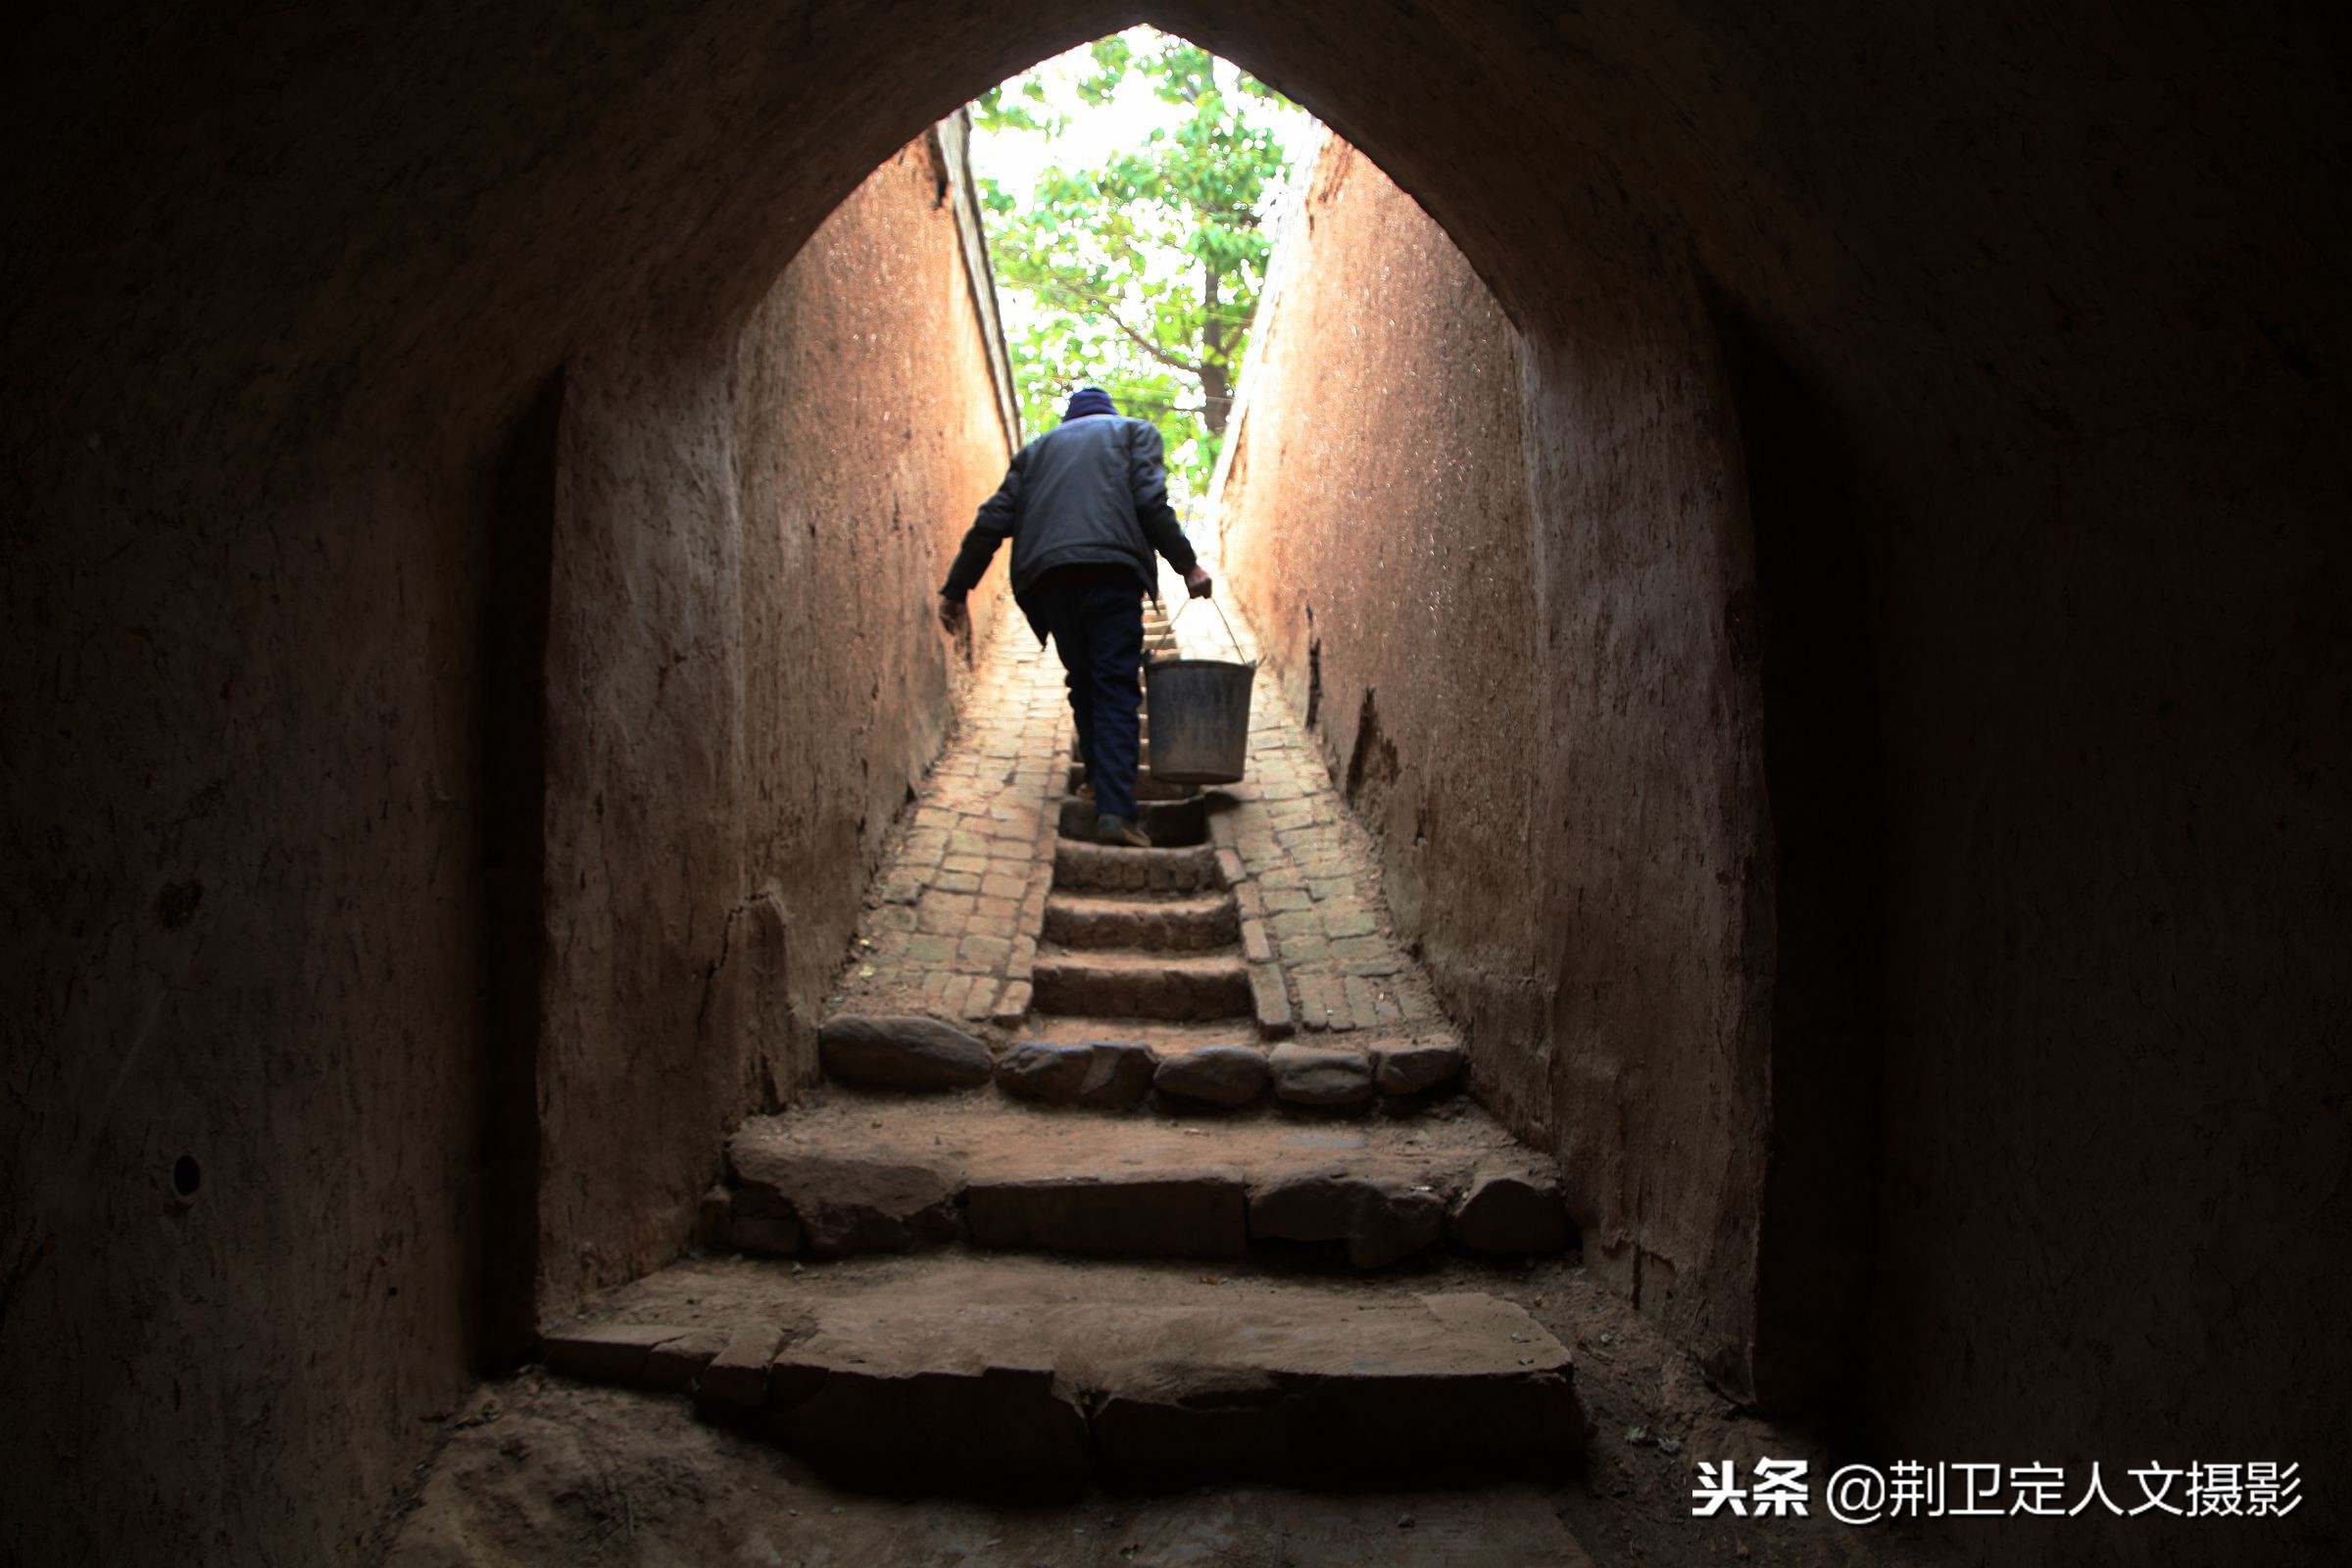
541,1473
544,1473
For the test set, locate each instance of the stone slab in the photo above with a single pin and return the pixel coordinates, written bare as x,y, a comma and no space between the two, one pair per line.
1097,1074
843,1200
1381,1219
901,1052
1026,1373
902,1172
1415,1068
1215,1075
1307,1075
1510,1213
675,1364
738,1374
604,1352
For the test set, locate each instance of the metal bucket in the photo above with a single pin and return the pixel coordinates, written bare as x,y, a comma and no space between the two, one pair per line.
1200,717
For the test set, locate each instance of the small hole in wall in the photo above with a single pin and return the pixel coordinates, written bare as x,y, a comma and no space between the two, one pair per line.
186,1177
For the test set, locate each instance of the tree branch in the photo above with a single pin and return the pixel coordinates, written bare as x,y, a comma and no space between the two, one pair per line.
1111,312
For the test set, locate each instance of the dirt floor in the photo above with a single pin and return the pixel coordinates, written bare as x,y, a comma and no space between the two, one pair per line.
539,1472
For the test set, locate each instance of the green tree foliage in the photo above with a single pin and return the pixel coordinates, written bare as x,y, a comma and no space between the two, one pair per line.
1145,268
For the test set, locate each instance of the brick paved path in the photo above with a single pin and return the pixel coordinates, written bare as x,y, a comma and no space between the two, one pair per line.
962,903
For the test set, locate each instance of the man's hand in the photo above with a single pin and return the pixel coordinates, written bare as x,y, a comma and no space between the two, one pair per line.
951,614
1197,582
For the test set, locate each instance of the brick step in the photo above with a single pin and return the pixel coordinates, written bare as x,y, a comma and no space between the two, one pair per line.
1156,923
1021,1375
847,1174
1137,984
1117,868
1162,1037
1169,824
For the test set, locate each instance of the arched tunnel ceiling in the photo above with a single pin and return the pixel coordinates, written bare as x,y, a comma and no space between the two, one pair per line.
275,219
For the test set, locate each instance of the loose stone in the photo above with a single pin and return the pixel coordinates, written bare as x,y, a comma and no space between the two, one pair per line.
901,1052
1104,1075
1219,1076
1307,1076
1381,1219
1512,1214
1415,1068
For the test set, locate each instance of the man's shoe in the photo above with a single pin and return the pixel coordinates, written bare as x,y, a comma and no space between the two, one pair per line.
1120,830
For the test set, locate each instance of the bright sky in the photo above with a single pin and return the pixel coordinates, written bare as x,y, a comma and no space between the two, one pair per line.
1015,158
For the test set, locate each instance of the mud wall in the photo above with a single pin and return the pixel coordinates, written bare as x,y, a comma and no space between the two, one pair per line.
242,1027
608,730
2065,1136
1476,570
748,538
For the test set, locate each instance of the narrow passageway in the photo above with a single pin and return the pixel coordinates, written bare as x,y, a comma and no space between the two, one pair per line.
1192,1200
1228,1058
1787,904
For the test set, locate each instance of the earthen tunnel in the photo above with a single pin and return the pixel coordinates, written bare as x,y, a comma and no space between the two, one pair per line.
1862,754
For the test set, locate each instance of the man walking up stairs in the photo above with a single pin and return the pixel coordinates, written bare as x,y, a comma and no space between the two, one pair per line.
1086,505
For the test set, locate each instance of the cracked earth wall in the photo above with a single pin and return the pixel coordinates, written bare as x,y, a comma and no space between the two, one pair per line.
1843,897
775,510
1480,598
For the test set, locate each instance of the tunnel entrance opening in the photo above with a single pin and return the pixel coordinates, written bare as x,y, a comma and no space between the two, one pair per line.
1477,619
1135,190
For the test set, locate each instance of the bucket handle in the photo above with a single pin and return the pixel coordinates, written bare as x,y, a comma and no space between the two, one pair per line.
1221,620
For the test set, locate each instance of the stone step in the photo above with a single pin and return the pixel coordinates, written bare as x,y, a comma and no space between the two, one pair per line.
1192,1062
847,1174
1136,985
1169,824
1156,924
1025,1374
1117,868
1178,1066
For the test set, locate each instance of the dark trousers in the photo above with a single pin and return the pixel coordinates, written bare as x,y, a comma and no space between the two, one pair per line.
1098,628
